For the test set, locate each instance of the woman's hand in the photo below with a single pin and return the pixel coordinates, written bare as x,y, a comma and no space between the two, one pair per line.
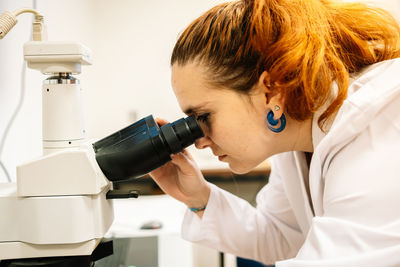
182,179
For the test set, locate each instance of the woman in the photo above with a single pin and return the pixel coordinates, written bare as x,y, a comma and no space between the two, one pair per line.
314,86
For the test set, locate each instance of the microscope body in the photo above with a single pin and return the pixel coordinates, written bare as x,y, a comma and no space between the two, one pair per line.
58,206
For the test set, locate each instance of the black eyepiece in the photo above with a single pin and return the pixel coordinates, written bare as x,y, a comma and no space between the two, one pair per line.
144,146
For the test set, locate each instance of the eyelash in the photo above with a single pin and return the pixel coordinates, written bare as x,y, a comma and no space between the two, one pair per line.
203,118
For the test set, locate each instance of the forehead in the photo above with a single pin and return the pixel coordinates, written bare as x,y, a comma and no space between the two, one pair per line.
193,90
189,75
190,85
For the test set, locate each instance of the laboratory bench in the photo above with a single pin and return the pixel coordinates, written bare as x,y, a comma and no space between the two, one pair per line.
164,247
244,186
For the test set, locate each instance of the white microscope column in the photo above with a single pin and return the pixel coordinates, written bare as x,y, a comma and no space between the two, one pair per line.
63,125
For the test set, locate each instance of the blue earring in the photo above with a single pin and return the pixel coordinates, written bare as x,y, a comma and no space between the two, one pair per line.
272,122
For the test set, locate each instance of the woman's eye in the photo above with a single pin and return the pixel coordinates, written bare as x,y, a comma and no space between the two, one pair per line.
203,118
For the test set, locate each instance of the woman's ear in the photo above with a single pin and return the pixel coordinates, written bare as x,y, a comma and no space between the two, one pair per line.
264,82
274,100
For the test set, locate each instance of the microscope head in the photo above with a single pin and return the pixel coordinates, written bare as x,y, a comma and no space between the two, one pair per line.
144,146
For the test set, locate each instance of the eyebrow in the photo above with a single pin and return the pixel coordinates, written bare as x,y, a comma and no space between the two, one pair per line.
194,109
191,110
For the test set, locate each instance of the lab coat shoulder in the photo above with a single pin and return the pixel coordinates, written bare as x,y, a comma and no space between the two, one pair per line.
355,179
365,132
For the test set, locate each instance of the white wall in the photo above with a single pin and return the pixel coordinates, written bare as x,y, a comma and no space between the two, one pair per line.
131,41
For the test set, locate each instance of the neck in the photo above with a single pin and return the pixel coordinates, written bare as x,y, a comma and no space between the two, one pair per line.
301,134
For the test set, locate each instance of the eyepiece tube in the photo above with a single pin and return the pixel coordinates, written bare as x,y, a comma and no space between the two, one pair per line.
143,146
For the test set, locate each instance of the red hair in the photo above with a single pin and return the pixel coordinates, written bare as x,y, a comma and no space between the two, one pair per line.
304,45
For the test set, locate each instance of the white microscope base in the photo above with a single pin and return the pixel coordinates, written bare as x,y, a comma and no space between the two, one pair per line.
52,225
16,250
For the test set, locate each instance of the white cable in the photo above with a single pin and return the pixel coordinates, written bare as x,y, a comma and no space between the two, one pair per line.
26,10
5,171
13,117
16,111
9,19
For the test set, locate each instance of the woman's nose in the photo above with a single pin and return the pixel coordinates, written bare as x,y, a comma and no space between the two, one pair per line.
202,143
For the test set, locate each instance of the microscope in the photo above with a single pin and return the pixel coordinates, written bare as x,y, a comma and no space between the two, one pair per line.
60,208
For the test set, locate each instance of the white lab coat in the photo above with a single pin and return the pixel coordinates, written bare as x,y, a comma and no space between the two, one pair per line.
354,179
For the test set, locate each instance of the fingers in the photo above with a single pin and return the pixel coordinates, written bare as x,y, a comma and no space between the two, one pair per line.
184,162
161,122
187,154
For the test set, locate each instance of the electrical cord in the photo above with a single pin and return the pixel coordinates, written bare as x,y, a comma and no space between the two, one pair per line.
13,117
5,171
19,105
25,10
9,19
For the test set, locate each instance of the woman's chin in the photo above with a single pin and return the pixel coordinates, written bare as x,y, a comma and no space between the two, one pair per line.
239,169
242,167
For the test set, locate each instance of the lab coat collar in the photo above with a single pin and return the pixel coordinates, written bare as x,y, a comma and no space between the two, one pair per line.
362,105
356,81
